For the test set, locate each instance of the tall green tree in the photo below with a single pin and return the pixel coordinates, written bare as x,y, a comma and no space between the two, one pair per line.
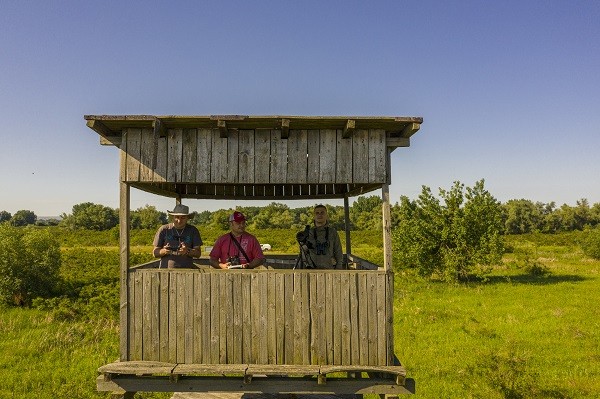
5,216
147,217
90,216
29,264
23,218
453,240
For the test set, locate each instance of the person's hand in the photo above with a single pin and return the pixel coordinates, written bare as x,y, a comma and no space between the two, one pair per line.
165,250
183,249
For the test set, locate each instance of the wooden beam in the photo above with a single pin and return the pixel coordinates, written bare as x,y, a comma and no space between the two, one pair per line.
159,128
410,129
285,128
347,227
387,227
124,206
100,128
397,142
349,128
222,125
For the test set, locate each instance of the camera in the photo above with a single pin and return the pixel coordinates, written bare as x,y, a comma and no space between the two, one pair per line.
233,260
302,237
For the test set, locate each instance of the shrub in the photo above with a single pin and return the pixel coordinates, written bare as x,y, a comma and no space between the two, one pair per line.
453,240
591,243
29,264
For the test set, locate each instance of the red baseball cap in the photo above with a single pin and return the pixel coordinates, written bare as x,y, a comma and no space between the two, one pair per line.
237,216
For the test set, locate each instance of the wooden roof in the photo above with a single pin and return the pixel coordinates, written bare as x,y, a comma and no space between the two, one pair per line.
325,156
113,125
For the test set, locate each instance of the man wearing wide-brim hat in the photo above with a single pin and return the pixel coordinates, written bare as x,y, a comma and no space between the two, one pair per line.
177,243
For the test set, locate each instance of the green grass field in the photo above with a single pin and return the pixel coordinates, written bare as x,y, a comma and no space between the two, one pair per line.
531,330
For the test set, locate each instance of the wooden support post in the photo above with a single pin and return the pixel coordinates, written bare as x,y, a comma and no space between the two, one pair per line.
387,227
349,128
124,262
285,128
222,125
347,227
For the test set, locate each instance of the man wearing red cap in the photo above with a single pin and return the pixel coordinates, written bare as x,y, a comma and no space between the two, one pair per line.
236,249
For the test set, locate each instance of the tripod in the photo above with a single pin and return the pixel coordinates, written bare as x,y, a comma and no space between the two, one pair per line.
304,260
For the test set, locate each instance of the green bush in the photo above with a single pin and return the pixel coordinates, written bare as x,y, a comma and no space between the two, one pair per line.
591,243
453,240
29,264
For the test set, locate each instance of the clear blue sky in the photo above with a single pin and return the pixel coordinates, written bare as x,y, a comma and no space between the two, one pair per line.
509,90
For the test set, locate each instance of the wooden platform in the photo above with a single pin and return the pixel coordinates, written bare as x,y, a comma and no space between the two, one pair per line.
137,376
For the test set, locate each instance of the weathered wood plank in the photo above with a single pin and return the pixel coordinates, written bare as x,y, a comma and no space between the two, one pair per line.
363,319
278,158
289,318
189,311
337,318
297,157
203,155
160,171
138,318
246,157
227,303
147,154
262,155
360,156
180,314
314,158
343,166
272,323
373,331
237,319
354,314
198,318
163,320
175,155
345,302
155,316
246,318
207,337
329,318
134,138
280,327
381,340
172,318
233,155
219,158
327,153
377,156
189,155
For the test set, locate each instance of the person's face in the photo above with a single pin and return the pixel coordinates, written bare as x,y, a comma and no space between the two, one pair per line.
180,221
237,228
320,216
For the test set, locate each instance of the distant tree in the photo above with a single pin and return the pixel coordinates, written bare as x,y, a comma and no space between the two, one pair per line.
575,218
147,217
23,218
522,216
29,264
90,216
453,240
273,216
202,218
5,216
365,213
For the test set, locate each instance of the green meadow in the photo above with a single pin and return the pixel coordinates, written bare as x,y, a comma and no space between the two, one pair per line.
531,330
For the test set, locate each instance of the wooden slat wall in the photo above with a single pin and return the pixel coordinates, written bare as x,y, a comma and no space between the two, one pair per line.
261,317
255,156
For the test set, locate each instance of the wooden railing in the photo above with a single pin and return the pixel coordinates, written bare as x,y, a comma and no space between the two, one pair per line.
289,317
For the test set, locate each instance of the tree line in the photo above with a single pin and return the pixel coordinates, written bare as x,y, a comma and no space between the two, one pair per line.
518,216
